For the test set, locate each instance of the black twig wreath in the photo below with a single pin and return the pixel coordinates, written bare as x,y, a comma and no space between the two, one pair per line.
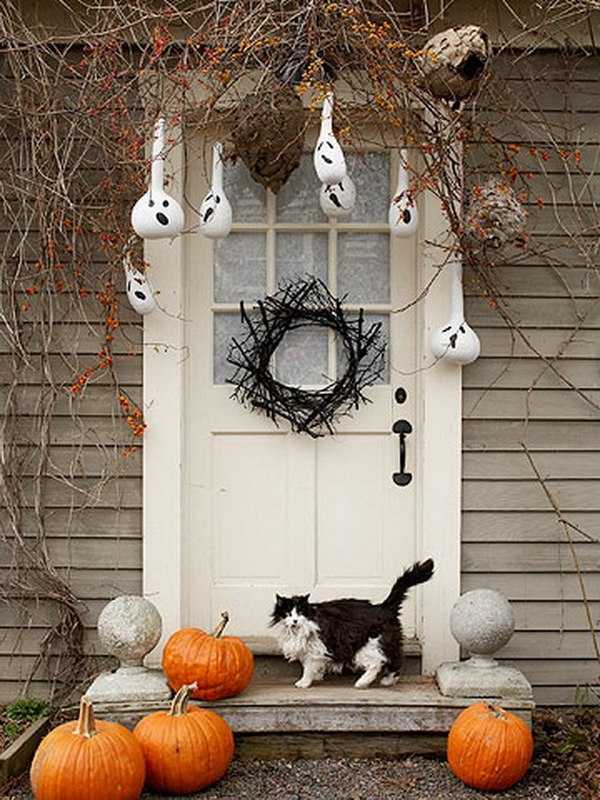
304,303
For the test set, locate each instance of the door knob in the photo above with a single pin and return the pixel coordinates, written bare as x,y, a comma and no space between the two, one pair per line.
402,427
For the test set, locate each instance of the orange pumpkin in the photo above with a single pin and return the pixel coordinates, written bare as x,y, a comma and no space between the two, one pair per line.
489,748
220,666
186,749
88,759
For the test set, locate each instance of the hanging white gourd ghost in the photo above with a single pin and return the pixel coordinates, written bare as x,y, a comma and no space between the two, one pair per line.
456,341
403,216
139,290
328,157
338,199
215,212
157,215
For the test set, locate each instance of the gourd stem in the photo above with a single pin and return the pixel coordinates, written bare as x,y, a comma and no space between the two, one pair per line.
218,631
86,725
180,702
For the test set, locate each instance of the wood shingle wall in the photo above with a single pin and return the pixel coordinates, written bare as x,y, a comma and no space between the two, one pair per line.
512,540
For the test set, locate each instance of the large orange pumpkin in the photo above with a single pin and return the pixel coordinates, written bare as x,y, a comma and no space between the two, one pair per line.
88,760
489,748
186,749
220,666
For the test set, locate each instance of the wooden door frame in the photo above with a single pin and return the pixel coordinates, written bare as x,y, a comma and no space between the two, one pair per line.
165,447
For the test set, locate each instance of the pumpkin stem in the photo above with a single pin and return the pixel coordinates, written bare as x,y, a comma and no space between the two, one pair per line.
86,724
180,702
218,631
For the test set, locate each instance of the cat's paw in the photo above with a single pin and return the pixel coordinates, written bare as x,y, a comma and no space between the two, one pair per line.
303,684
361,683
390,680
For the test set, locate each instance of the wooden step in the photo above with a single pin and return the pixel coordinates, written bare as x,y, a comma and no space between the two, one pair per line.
413,706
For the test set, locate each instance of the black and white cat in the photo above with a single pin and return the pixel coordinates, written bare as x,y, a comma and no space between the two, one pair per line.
346,634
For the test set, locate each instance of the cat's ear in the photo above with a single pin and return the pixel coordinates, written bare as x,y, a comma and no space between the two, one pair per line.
305,597
278,599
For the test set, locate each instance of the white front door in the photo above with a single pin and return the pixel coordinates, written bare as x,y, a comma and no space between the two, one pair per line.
269,510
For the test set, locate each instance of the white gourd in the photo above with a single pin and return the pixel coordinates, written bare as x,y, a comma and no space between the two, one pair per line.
139,291
157,215
338,199
328,158
215,212
456,341
403,216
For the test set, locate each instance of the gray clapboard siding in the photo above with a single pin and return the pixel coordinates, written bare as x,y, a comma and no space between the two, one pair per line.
97,522
506,434
548,644
526,526
512,540
98,584
512,466
528,495
531,556
568,615
556,404
66,368
94,400
504,343
521,373
532,586
573,694
77,338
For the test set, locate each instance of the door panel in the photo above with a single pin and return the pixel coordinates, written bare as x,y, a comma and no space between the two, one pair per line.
270,510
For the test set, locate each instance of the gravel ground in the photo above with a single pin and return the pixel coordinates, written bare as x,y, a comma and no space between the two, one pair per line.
414,778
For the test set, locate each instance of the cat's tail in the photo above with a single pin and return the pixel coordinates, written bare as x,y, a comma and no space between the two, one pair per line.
418,573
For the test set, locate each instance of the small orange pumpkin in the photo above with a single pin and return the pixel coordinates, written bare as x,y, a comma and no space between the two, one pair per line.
489,748
220,666
186,749
88,759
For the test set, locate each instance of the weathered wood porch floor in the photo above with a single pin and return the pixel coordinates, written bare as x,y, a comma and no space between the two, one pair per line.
274,718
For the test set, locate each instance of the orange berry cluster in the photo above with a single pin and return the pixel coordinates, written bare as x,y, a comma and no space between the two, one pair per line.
135,418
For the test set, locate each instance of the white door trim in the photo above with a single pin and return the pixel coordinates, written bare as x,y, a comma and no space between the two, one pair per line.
439,462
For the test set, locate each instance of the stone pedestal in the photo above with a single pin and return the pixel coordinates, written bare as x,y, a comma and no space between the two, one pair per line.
129,627
471,679
482,622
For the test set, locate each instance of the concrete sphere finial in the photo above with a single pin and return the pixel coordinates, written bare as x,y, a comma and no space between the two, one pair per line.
482,622
129,627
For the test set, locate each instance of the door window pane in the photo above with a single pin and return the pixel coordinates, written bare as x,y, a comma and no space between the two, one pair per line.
364,267
247,197
300,254
240,267
298,199
226,327
302,357
371,175
369,319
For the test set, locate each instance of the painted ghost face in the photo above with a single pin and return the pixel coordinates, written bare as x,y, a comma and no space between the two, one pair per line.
403,218
215,215
328,157
215,212
456,342
338,200
139,291
156,215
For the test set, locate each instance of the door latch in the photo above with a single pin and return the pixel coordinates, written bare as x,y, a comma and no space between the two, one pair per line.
402,427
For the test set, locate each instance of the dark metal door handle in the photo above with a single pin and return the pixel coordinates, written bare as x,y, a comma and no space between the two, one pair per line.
402,427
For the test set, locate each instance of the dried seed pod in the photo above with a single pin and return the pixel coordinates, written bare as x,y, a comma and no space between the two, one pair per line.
454,61
268,135
494,217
